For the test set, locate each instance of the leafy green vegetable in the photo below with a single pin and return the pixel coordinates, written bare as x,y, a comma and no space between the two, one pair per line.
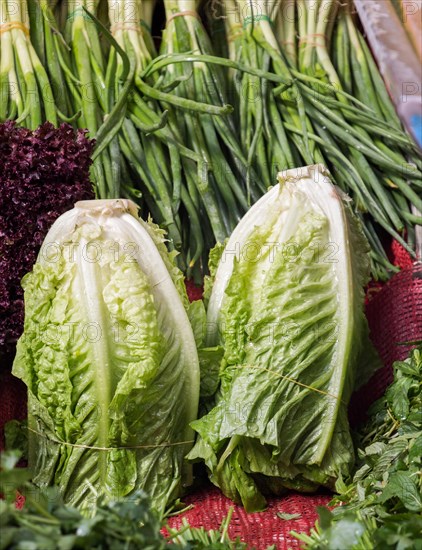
288,517
16,436
381,505
109,359
287,301
46,523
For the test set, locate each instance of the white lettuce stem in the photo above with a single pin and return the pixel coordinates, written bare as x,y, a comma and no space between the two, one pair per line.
91,289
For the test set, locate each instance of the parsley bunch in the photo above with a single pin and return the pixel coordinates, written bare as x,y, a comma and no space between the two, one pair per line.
381,506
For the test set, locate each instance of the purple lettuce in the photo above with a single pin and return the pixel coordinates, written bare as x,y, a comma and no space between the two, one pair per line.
42,174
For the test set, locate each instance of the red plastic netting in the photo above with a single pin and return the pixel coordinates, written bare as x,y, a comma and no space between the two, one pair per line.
260,529
395,316
394,312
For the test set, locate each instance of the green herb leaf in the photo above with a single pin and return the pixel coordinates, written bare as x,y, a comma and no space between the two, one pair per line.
288,517
415,452
345,534
402,485
381,507
325,517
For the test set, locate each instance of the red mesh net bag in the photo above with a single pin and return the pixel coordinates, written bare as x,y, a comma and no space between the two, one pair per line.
394,312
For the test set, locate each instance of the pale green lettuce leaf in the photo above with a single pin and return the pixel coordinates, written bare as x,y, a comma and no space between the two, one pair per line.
158,236
213,260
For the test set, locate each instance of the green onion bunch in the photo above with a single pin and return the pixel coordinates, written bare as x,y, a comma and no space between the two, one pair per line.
144,157
158,163
85,77
227,187
267,109
355,124
196,138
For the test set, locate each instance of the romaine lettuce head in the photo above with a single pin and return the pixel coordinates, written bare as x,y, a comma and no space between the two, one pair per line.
109,358
287,307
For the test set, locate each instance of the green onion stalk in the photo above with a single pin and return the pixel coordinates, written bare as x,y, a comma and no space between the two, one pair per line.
51,50
26,94
202,120
285,30
354,122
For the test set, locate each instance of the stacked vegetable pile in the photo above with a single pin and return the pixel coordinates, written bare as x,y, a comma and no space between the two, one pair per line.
302,82
128,383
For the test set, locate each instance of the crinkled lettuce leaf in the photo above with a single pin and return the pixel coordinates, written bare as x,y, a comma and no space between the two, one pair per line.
288,303
214,259
109,358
